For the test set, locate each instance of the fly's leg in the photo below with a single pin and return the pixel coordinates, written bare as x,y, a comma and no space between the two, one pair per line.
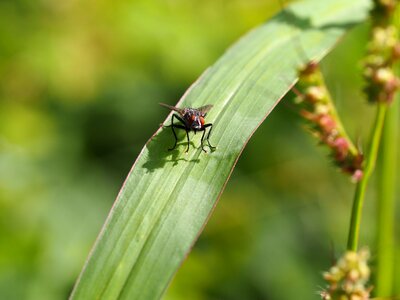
173,125
202,139
187,135
208,137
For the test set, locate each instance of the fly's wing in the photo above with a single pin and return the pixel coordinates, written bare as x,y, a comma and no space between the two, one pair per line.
205,109
179,110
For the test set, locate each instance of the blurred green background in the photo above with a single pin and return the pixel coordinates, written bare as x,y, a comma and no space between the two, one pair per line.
79,87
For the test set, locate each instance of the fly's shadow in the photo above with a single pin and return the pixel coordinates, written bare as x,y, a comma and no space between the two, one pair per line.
159,155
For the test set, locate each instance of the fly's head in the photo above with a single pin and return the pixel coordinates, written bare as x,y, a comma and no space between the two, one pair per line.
194,118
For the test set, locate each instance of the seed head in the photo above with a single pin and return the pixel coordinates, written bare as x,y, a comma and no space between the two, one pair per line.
348,278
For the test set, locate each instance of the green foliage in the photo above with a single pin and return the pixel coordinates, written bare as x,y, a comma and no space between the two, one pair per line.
80,83
168,196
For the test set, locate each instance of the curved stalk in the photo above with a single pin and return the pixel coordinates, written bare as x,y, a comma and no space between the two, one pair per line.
355,222
386,203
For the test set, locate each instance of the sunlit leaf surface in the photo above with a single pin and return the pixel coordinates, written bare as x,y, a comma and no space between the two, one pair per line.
169,195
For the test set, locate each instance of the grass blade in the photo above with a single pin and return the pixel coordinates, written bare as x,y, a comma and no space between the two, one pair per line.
168,195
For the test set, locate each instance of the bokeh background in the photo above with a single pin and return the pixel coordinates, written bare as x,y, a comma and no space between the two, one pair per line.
79,85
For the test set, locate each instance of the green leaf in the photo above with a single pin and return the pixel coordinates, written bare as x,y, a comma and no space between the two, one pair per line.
169,195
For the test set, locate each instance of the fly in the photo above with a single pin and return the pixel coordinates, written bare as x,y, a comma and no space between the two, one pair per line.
191,119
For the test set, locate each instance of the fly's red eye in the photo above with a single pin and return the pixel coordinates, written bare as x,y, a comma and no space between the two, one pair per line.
192,118
202,121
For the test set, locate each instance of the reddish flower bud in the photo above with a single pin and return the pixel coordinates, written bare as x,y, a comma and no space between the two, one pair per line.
327,123
357,175
341,146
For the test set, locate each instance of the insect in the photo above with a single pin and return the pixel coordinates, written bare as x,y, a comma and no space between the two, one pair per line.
191,119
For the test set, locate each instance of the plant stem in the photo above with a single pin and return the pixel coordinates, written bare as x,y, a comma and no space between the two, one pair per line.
354,231
386,204
387,194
